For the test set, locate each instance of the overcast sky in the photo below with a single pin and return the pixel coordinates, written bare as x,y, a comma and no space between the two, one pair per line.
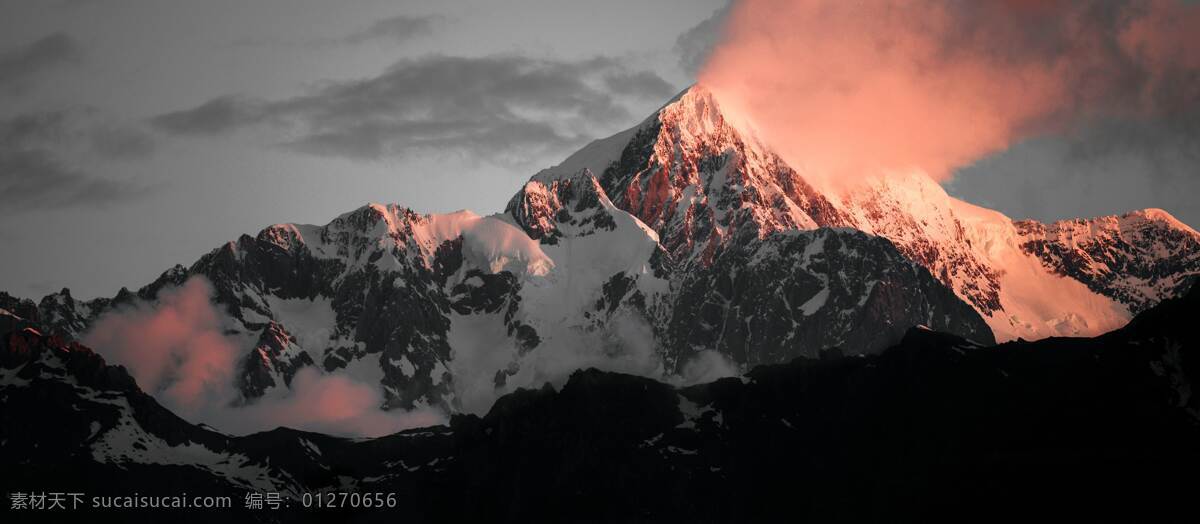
135,135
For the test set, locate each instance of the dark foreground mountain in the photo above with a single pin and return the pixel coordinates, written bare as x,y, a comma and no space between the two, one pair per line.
933,427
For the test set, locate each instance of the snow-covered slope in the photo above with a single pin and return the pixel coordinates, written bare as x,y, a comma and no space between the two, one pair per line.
978,253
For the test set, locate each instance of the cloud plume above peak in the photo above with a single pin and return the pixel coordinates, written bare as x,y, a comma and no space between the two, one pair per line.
847,88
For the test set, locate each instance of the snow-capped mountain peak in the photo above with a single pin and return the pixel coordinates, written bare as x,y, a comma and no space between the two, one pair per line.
696,179
682,240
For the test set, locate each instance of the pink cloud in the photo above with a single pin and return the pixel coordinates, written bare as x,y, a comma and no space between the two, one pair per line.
846,88
176,349
331,404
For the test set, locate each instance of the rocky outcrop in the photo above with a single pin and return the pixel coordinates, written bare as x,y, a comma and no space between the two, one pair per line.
273,362
1135,258
793,294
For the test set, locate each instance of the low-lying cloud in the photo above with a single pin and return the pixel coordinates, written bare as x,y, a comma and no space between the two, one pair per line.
332,404
847,88
504,108
177,350
625,343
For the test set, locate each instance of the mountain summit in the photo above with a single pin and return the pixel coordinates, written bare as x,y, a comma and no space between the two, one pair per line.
692,175
679,248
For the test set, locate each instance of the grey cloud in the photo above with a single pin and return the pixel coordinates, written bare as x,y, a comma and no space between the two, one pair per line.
19,65
79,131
640,83
120,142
216,116
503,142
36,179
36,167
499,108
397,29
694,45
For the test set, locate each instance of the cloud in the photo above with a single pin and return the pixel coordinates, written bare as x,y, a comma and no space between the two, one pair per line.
122,142
19,65
177,350
39,153
696,44
706,366
332,404
501,108
217,116
848,88
643,84
397,29
624,343
37,179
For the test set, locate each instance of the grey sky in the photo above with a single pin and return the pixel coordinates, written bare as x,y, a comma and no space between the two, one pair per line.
135,135
293,111
1109,168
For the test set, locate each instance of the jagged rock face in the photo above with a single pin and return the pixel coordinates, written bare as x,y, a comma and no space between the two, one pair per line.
698,181
548,209
694,179
274,362
59,312
1135,258
62,311
369,271
758,299
20,307
765,301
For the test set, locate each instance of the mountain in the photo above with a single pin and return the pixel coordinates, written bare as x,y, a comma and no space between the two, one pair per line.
935,426
696,177
682,242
